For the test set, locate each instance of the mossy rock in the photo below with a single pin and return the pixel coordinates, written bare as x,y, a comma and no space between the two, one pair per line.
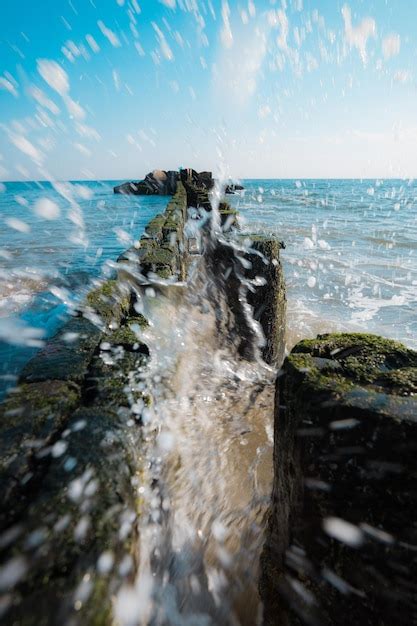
67,355
109,302
154,228
86,498
108,382
268,300
31,419
367,359
228,216
161,261
250,240
127,334
345,472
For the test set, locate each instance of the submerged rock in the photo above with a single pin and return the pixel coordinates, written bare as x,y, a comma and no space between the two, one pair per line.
341,547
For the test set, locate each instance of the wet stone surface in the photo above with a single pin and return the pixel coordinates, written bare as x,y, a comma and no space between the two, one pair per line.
341,546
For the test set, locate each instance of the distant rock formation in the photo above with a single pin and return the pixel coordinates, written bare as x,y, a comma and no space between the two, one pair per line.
164,183
156,183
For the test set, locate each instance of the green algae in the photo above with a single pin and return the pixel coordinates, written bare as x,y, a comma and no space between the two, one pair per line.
402,381
67,355
154,228
366,359
109,301
159,256
316,381
126,335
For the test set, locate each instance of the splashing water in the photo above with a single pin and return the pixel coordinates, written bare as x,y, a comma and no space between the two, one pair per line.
209,458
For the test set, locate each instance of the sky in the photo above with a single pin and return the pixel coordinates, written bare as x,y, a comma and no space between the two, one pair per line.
112,89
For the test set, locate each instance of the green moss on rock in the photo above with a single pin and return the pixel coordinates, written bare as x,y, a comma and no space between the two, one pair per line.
364,358
127,334
31,418
154,228
110,301
67,355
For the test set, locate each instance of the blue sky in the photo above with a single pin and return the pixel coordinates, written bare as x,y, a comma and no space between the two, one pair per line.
114,88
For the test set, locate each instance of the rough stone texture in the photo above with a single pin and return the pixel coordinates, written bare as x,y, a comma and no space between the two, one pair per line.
85,500
32,419
161,249
67,355
158,182
228,216
107,304
70,456
69,496
70,439
268,299
162,182
345,449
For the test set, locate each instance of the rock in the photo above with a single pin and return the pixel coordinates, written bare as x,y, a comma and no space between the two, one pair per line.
232,188
341,542
162,182
205,179
267,298
32,418
67,355
107,304
79,527
158,182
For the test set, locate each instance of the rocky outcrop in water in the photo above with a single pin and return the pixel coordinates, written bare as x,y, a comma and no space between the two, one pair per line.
71,448
71,437
158,182
342,542
164,183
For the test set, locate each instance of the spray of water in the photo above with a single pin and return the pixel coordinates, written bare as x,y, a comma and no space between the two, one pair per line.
208,455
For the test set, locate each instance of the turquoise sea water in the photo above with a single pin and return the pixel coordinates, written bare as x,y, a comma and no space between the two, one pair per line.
350,259
47,263
351,252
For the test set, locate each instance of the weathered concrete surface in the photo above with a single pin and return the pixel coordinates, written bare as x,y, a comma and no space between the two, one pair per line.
342,541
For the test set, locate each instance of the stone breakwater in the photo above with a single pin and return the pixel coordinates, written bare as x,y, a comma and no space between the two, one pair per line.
71,436
341,541
164,183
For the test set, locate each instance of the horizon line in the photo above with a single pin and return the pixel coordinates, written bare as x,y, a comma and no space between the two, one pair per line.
233,178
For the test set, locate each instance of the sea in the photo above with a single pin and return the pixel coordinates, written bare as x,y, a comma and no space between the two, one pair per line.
350,257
